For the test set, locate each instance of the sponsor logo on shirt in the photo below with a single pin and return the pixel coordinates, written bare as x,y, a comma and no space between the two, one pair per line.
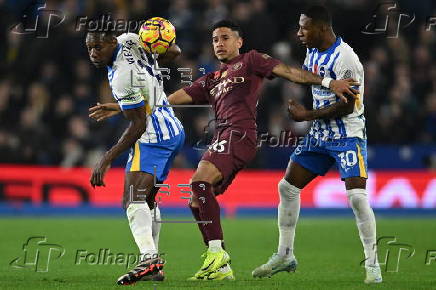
129,97
225,86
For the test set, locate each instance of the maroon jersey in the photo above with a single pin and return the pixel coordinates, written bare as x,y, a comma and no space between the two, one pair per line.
233,91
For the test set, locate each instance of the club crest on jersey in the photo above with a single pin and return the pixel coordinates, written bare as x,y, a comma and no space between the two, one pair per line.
319,70
237,66
217,74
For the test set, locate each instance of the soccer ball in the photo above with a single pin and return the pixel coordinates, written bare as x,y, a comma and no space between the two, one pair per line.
156,35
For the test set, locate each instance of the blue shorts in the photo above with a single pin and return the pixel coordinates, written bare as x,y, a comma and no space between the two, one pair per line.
318,156
155,158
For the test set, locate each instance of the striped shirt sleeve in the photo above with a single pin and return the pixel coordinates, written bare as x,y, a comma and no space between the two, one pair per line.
131,93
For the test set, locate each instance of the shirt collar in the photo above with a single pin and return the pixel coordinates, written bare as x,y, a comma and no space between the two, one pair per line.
332,47
114,55
234,60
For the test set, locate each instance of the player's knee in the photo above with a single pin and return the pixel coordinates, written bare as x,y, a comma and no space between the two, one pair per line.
297,175
357,198
206,172
155,214
287,191
133,207
194,201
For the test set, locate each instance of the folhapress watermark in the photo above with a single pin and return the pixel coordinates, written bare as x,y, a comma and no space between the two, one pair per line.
389,19
37,254
38,20
392,253
107,257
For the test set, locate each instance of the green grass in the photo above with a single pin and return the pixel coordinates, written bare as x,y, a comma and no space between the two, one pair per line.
328,251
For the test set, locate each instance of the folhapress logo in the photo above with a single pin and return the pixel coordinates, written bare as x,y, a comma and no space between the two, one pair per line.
388,20
38,20
391,253
37,254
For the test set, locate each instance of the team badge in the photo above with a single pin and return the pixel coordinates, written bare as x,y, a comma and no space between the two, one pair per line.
237,66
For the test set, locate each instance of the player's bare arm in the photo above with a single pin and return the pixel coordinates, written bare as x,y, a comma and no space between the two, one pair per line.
102,112
180,97
301,76
137,127
299,113
172,53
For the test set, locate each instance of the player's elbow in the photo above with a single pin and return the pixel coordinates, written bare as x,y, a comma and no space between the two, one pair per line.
180,97
173,52
176,51
172,99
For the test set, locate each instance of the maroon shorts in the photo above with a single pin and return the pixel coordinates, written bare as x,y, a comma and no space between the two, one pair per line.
230,151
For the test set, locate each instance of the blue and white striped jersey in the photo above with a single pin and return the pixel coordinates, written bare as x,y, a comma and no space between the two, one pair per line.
337,62
136,82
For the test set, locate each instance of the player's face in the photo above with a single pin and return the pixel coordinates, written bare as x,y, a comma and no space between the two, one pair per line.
100,49
226,43
309,32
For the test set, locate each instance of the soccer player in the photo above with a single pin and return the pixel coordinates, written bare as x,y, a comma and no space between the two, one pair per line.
337,136
154,138
233,91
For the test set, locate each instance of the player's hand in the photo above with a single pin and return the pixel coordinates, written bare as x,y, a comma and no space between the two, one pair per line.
101,112
342,87
297,111
97,176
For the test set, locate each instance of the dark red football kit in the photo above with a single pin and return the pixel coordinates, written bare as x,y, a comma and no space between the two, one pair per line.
233,91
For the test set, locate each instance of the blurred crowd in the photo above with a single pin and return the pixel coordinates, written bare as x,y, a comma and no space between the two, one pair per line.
48,84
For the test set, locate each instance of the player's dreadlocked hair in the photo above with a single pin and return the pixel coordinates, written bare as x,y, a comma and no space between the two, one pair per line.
319,14
229,24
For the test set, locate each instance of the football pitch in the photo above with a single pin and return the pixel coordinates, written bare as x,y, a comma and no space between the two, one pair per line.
328,251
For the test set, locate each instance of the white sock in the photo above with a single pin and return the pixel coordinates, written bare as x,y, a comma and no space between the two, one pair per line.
288,212
139,216
365,221
156,225
215,246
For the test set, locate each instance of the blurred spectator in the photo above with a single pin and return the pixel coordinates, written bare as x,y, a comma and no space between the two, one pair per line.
47,85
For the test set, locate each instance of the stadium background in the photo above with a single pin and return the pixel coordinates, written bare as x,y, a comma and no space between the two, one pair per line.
48,143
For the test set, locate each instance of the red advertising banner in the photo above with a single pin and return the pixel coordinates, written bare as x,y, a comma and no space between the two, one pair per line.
251,189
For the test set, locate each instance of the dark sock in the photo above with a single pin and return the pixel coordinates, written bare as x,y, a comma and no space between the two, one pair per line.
196,213
209,209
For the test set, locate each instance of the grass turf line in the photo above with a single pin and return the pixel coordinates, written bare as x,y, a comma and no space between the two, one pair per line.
328,251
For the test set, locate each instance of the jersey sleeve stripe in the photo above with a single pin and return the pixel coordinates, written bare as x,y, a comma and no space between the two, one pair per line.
133,106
